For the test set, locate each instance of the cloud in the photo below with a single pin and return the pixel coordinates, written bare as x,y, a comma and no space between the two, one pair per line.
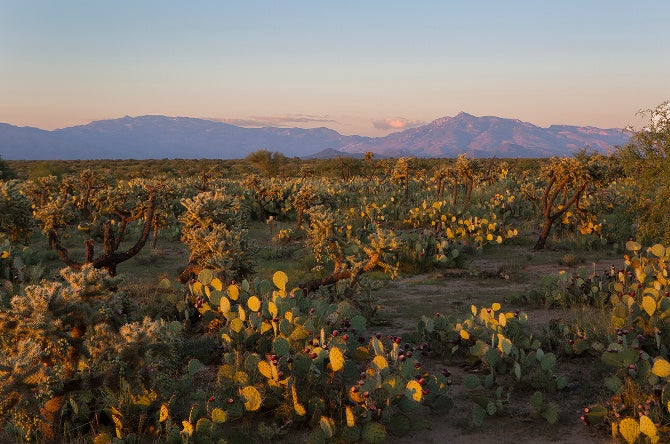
396,123
283,120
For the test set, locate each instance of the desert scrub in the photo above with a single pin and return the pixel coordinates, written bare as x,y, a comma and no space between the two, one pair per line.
571,259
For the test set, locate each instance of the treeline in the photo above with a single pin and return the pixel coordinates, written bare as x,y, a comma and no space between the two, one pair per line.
270,164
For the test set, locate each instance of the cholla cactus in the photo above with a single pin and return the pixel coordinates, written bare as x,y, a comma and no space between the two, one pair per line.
331,240
15,212
466,169
57,205
302,200
267,192
566,180
215,232
440,175
61,339
401,173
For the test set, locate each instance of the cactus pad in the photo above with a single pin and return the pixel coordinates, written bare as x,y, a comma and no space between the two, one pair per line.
219,415
629,429
414,390
647,426
399,424
661,368
281,346
252,397
336,359
550,413
374,433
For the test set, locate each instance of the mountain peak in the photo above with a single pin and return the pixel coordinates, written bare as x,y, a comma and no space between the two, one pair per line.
489,136
463,115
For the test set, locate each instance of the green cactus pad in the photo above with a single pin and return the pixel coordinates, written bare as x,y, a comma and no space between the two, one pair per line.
281,346
285,327
374,433
351,434
317,436
478,415
205,276
358,323
548,362
215,297
203,426
251,363
301,365
194,366
537,400
236,409
550,413
408,405
399,424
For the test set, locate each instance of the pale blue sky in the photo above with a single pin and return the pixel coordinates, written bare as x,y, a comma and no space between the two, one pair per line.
360,67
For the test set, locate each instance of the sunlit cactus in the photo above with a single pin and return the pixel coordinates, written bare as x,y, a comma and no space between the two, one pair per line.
214,230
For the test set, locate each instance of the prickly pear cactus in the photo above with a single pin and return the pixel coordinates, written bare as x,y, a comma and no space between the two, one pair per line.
374,433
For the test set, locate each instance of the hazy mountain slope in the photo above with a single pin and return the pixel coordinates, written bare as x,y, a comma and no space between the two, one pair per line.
182,137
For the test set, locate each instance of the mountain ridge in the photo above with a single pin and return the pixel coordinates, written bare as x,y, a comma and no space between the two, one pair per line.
158,136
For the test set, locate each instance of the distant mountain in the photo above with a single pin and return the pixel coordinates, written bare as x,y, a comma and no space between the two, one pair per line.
488,137
330,153
156,137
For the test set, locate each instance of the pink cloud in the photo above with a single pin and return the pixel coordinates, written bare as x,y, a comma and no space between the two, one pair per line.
282,120
396,123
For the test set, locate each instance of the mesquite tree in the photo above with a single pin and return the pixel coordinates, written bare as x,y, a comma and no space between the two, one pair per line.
647,159
6,172
268,162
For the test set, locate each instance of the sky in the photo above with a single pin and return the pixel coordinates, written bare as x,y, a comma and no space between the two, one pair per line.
359,67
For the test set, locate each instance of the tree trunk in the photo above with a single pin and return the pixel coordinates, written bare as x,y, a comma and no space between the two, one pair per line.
548,199
470,182
190,272
339,275
455,196
110,259
301,213
407,188
154,241
261,211
542,240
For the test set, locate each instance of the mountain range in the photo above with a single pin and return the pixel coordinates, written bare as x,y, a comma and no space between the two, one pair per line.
158,137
